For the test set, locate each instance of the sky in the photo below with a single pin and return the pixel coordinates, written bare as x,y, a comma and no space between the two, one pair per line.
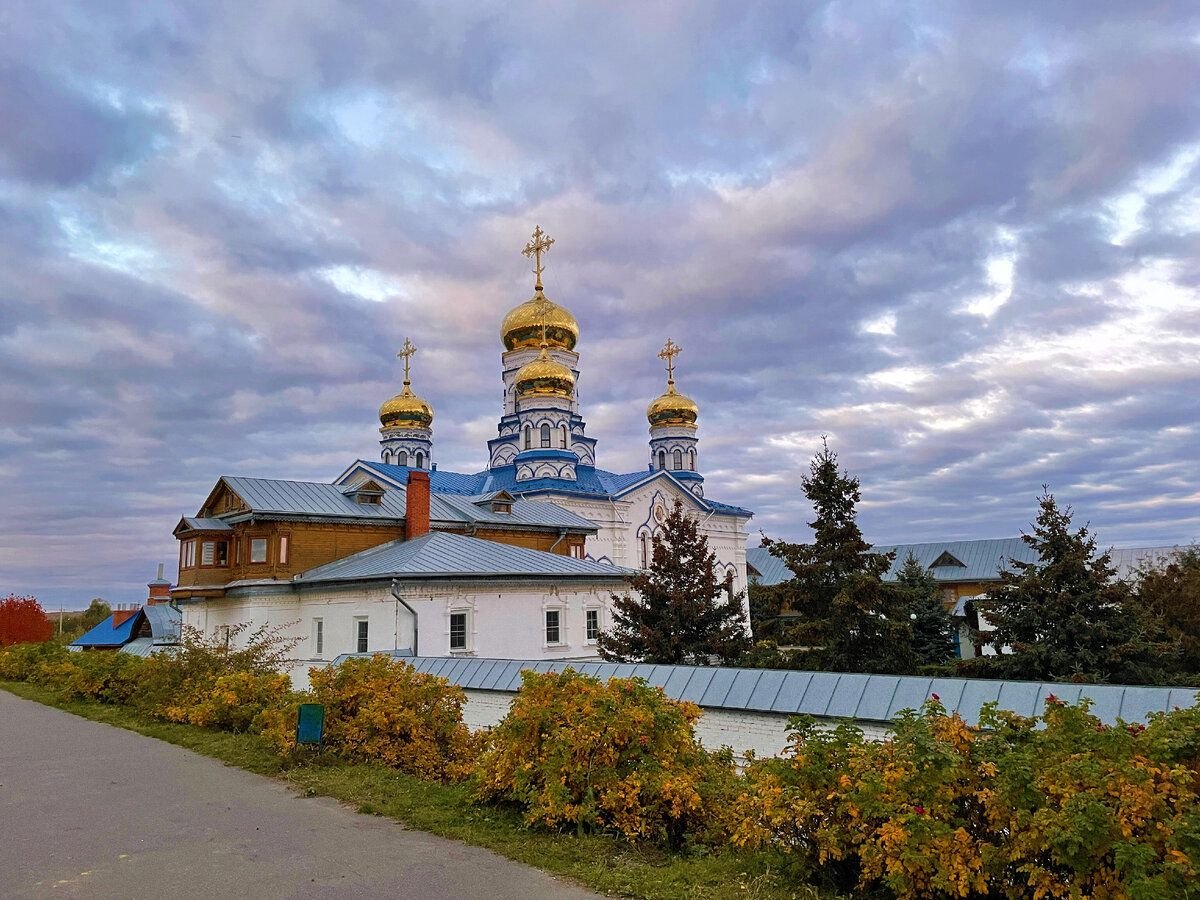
961,240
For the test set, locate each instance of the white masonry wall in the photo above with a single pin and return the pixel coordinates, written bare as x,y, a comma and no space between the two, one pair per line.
763,733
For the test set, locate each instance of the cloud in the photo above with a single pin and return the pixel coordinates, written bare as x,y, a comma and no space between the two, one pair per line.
961,239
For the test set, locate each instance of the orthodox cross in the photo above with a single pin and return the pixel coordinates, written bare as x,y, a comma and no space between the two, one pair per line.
406,353
540,244
668,353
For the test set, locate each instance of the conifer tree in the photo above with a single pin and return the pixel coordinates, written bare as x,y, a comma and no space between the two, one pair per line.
849,619
931,623
683,612
1064,616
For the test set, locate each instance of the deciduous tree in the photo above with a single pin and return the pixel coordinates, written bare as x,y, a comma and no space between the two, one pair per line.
22,621
98,610
684,612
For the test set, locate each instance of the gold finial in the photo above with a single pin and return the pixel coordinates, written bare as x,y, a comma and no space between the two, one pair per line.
406,353
668,353
540,244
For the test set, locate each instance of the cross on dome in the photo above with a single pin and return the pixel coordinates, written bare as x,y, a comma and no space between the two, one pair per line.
540,244
668,353
406,354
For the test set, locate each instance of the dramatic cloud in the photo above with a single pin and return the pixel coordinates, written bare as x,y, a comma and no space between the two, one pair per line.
960,239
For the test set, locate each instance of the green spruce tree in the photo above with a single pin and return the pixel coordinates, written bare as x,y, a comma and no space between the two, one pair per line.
849,620
1064,616
932,626
682,612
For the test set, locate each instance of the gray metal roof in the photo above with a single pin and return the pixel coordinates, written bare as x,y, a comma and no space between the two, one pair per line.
196,523
867,698
771,569
144,647
166,622
441,554
267,496
982,560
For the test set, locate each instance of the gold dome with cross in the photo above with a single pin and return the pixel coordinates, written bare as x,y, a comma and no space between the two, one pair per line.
522,328
406,409
672,407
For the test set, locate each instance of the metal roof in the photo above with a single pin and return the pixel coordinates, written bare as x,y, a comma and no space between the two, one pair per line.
867,698
982,560
441,554
105,635
144,647
771,569
589,481
166,622
204,524
267,496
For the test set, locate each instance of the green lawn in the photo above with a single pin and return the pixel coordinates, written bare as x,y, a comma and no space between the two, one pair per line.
601,863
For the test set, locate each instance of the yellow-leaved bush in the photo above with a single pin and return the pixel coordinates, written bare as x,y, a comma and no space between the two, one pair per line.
574,752
231,702
384,710
1058,807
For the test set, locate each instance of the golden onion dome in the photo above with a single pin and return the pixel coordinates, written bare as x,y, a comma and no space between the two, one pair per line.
543,377
672,408
406,410
522,327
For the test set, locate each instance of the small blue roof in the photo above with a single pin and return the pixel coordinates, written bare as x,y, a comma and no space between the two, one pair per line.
105,635
442,554
834,695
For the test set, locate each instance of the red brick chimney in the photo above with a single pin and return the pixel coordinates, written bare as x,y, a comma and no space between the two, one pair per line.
120,616
160,589
416,510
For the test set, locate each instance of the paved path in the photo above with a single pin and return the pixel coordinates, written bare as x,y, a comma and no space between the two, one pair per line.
88,810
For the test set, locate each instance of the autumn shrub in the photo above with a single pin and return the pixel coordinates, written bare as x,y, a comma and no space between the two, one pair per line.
576,753
106,676
383,710
233,702
20,662
1060,806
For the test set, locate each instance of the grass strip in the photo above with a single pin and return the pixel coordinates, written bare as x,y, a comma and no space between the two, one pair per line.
599,862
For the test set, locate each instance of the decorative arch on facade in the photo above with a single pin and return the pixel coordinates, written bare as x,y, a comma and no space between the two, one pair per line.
528,443
562,437
420,460
545,434
662,459
692,460
402,458
677,459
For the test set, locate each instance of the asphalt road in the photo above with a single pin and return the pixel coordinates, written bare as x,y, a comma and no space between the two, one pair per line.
88,810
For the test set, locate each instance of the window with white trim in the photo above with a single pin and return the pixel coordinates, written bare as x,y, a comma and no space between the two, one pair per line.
318,637
459,631
361,635
591,625
258,550
577,551
553,626
545,433
283,549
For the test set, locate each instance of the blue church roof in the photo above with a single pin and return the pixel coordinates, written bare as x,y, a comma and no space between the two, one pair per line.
590,481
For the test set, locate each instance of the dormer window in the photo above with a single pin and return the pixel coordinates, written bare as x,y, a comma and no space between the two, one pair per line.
501,506
369,492
499,502
947,559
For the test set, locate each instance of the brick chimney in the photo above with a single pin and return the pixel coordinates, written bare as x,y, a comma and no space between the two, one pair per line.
416,509
160,589
120,616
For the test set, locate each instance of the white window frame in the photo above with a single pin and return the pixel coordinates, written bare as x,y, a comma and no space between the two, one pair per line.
360,621
318,637
266,551
468,619
588,611
283,549
559,625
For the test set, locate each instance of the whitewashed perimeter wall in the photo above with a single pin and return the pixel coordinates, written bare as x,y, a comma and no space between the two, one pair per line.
764,733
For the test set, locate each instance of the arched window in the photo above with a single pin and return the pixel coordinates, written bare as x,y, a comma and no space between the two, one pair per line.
545,434
420,460
402,458
677,460
692,460
662,459
562,436
528,437
643,543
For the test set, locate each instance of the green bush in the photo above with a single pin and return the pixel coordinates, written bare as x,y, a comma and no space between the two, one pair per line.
574,752
106,676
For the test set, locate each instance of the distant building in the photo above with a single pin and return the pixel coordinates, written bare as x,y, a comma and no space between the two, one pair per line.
138,630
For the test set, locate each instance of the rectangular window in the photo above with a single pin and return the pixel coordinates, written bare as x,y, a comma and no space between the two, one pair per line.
222,553
189,554
458,631
208,552
237,551
553,630
222,634
283,549
577,551
258,550
319,636
361,645
593,625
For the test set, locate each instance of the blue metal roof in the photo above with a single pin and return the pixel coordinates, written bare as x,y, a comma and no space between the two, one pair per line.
105,635
867,698
441,554
589,481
